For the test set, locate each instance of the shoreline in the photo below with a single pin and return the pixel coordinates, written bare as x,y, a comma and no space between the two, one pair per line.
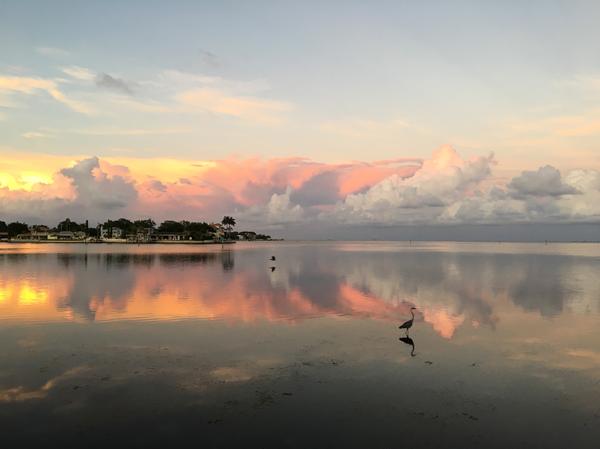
123,242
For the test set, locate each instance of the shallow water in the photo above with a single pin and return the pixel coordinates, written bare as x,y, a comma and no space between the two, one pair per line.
208,346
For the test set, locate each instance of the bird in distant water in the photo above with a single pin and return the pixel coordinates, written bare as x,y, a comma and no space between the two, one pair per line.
408,324
272,258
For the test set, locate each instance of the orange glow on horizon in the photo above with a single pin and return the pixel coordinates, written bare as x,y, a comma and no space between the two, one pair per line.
198,183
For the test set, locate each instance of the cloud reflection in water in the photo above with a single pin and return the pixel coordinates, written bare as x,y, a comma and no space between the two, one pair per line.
451,289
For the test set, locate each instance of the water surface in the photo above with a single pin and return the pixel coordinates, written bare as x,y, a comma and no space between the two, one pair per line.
218,346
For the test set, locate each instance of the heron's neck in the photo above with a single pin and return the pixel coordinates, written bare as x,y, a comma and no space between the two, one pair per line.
412,314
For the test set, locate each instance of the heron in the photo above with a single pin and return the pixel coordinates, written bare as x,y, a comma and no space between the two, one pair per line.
272,258
409,341
408,324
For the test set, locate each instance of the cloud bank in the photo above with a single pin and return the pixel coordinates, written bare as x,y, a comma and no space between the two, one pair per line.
445,189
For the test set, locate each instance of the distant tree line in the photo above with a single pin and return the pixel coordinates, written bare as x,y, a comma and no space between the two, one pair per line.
14,228
193,229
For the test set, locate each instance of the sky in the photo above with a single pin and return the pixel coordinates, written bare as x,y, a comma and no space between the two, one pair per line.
307,119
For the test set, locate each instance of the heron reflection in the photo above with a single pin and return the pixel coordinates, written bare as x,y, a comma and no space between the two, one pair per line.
409,341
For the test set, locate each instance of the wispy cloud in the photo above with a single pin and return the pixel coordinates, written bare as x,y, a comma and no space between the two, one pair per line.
356,127
553,122
34,135
52,52
176,80
222,103
32,86
582,81
210,59
131,132
170,92
44,133
577,125
106,81
6,101
80,73
143,105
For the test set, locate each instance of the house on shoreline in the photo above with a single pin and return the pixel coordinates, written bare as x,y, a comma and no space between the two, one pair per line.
127,231
110,233
40,233
170,236
151,236
40,236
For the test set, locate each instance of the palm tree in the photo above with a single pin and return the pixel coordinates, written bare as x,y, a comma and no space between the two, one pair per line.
229,223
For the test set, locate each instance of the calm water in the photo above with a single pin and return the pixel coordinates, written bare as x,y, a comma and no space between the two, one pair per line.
109,345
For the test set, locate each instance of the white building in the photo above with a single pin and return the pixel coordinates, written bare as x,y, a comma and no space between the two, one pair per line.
111,233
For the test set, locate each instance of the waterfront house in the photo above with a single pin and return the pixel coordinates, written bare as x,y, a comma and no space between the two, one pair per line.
218,231
111,233
145,235
169,236
34,235
67,235
37,232
247,235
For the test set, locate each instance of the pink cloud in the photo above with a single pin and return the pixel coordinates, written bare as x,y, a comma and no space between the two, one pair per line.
232,184
443,189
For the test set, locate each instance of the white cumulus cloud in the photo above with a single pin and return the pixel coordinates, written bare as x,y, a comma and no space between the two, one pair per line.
546,181
441,181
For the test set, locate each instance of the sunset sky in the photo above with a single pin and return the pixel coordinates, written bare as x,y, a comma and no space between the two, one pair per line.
304,119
